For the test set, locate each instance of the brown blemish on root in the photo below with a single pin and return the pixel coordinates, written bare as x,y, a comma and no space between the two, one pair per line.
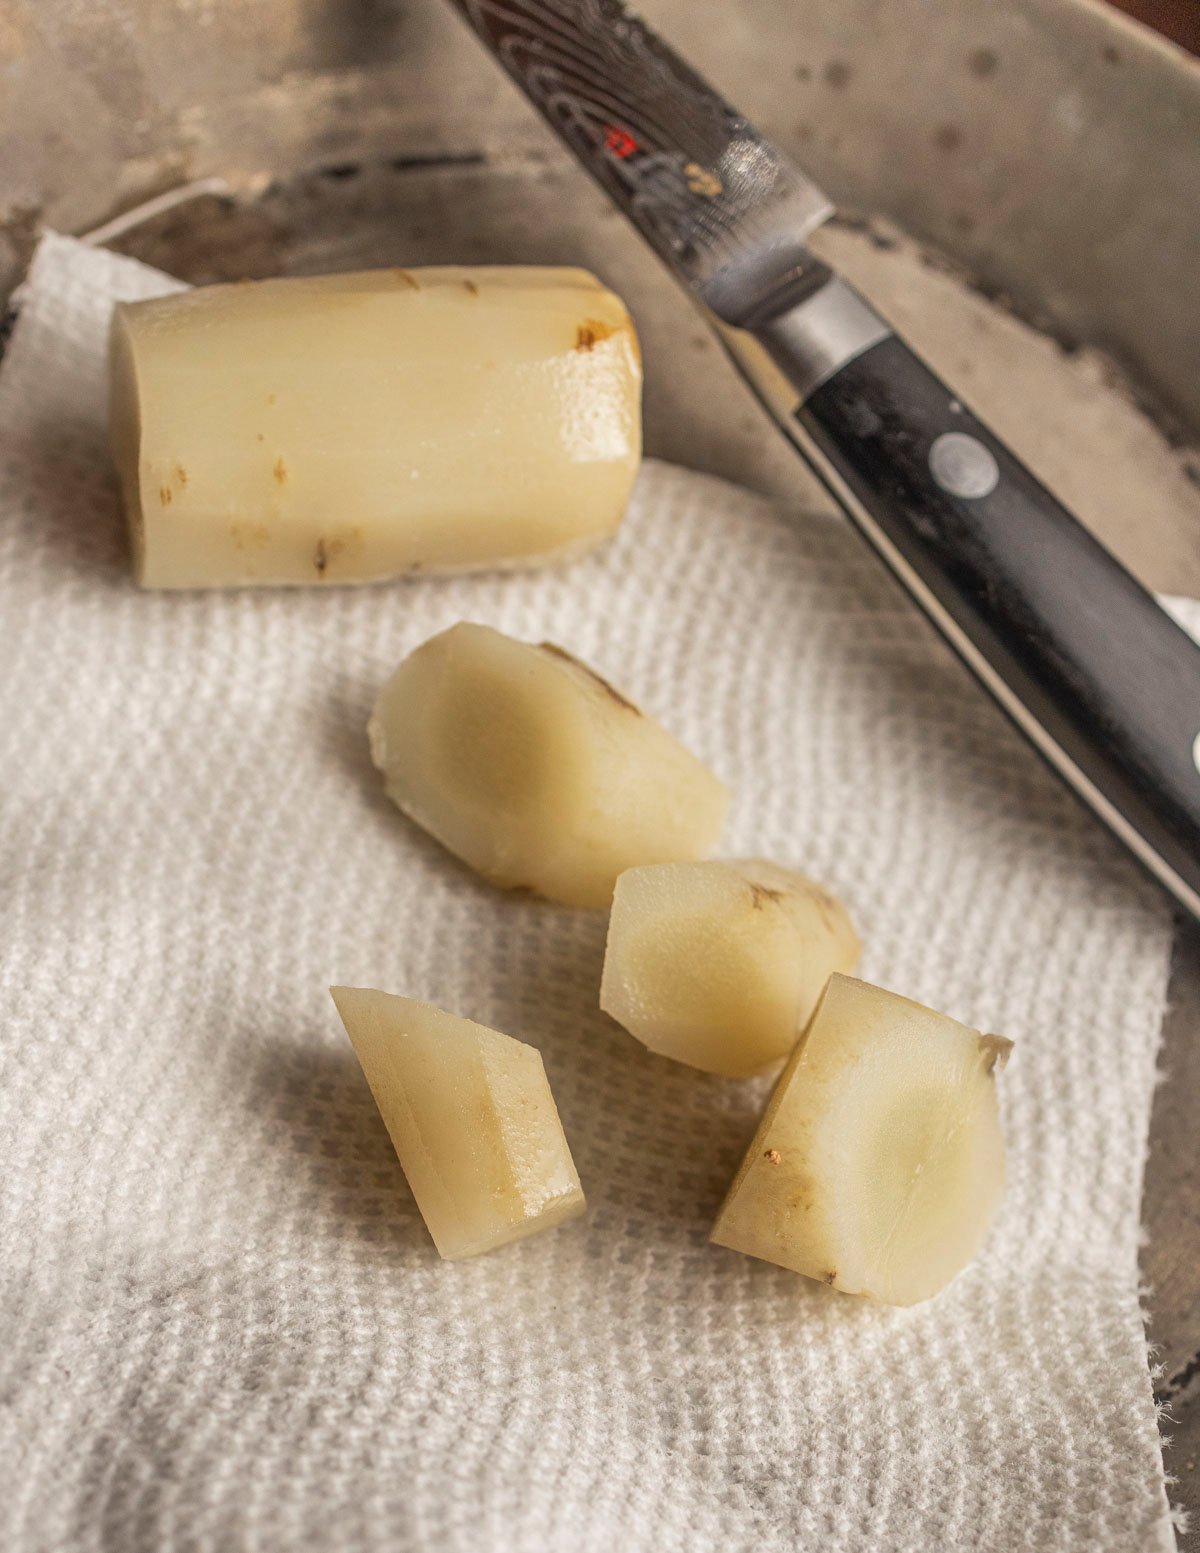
773,1157
590,333
609,690
407,278
258,437
181,474
829,1277
280,471
270,398
329,547
760,894
995,1050
470,288
947,137
838,74
165,495
246,536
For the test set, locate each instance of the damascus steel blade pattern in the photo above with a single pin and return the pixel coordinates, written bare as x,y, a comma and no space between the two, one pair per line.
725,210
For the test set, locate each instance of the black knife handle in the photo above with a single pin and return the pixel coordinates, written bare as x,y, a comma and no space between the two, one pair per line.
1080,655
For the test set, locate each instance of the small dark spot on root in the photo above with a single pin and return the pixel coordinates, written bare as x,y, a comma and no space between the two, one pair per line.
471,288
280,472
947,137
258,437
270,398
590,333
829,1277
181,474
320,556
803,73
407,278
165,495
760,894
1112,55
609,690
838,74
772,1156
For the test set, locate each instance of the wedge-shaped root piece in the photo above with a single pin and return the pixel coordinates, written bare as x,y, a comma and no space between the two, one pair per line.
879,1162
720,965
341,428
472,1118
534,770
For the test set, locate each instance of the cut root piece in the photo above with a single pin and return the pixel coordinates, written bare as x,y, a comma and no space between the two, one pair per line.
534,770
472,1118
342,428
720,964
879,1162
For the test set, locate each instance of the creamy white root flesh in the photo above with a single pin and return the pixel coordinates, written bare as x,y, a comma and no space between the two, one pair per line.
879,1162
720,964
534,770
472,1119
346,428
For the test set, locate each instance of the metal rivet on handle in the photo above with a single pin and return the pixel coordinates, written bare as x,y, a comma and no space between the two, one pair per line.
962,466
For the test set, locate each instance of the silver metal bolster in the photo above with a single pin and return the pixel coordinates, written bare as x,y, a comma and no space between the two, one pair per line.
812,341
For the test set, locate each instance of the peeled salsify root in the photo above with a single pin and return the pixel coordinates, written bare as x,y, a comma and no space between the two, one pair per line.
343,428
720,964
879,1162
534,770
472,1118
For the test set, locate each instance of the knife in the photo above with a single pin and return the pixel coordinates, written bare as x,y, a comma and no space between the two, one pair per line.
1080,656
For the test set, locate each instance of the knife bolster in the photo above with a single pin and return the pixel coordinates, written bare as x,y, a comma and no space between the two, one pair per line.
814,340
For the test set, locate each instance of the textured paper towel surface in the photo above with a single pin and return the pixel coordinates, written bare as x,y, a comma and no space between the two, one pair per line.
224,1325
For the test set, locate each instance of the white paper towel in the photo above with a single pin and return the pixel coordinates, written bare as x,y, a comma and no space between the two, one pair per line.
224,1326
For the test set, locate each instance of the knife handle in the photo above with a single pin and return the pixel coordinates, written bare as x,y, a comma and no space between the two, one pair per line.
1081,657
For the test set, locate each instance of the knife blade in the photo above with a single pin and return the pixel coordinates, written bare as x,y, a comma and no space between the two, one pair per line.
696,179
1099,678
